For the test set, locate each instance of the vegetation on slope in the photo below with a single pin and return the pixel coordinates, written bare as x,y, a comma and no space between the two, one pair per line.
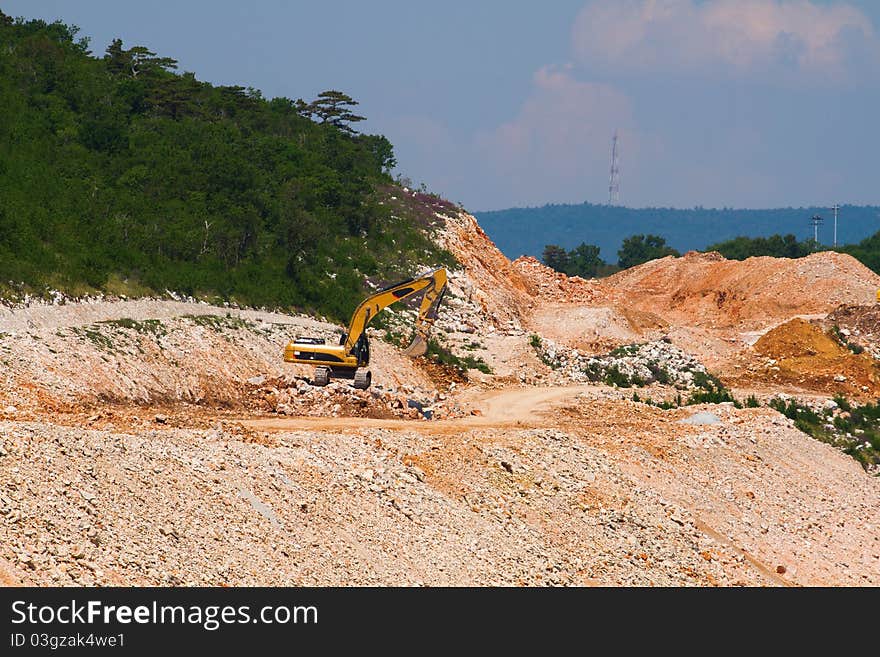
851,428
119,174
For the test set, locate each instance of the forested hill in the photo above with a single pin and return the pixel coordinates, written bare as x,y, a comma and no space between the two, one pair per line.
519,231
118,173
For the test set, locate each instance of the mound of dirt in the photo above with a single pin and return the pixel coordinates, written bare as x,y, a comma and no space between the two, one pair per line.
556,285
593,329
705,289
801,354
581,314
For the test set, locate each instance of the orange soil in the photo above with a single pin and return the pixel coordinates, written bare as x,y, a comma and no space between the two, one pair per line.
800,354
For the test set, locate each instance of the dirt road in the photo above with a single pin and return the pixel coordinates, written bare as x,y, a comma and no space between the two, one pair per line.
507,407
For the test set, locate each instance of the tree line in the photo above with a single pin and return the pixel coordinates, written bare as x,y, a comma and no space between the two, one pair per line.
584,260
519,231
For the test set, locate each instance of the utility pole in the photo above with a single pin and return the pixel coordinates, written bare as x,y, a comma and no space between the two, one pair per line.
614,179
815,220
835,208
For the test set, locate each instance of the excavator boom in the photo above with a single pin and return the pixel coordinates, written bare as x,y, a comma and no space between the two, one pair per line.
432,282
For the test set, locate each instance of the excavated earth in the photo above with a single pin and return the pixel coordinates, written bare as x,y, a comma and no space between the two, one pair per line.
158,442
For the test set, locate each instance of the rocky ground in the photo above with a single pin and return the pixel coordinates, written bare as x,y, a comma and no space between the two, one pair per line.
164,442
704,495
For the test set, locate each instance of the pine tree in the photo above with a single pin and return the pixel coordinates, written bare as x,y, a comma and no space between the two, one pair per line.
334,107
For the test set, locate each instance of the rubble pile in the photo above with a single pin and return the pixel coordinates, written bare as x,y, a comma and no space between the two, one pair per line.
707,290
635,364
297,396
502,294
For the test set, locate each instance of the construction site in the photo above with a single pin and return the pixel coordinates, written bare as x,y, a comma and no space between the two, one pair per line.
168,442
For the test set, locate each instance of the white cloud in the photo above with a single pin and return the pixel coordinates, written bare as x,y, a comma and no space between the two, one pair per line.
558,144
756,38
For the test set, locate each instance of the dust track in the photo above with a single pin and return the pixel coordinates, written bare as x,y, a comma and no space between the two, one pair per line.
521,407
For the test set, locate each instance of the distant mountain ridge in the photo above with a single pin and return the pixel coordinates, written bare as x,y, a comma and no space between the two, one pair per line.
525,231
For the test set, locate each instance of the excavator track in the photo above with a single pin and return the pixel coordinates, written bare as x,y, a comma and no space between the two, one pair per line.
362,378
322,376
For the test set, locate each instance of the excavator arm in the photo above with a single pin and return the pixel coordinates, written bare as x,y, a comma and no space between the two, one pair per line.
427,314
433,283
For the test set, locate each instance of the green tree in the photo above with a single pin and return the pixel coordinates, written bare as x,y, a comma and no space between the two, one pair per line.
556,257
867,251
116,57
585,261
143,61
582,261
778,246
136,61
382,151
638,249
180,185
334,107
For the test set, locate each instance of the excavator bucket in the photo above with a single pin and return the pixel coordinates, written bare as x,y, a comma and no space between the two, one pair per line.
427,315
418,347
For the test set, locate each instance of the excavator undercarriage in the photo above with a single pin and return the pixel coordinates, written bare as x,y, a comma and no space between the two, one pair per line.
351,357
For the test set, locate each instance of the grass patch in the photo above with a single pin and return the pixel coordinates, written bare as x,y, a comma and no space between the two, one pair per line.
126,287
626,350
145,326
660,373
614,377
707,382
220,323
538,345
95,337
712,397
442,355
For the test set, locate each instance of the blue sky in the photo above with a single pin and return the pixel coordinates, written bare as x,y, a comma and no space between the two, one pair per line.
742,103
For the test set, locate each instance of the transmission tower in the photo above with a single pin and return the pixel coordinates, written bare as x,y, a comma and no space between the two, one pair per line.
614,179
815,220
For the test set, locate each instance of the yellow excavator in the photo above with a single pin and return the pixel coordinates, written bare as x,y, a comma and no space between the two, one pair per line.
349,359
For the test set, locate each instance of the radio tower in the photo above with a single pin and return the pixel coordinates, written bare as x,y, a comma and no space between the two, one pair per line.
614,179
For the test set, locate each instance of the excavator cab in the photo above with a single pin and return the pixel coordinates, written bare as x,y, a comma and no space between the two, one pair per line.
362,350
349,359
